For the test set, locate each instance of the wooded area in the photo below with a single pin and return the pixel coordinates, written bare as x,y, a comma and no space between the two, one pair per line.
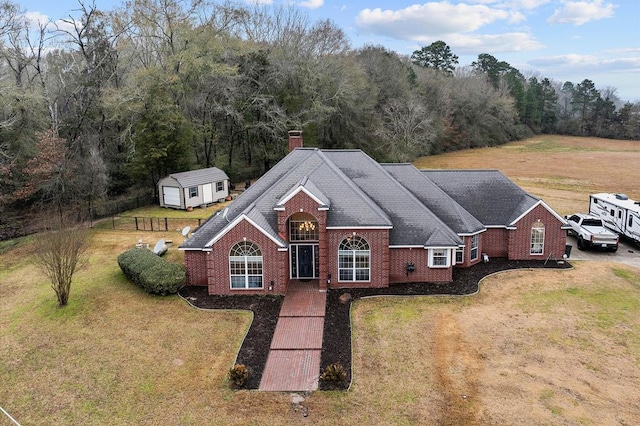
109,101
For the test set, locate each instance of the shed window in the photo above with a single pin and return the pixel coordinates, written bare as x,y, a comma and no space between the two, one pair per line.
193,192
537,238
219,186
245,266
354,259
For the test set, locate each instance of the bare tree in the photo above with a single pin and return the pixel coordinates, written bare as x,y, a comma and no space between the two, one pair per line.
59,253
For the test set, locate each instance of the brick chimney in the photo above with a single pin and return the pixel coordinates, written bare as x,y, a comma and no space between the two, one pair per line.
295,139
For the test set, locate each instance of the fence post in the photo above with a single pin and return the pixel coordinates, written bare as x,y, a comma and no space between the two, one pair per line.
113,222
151,223
166,226
136,218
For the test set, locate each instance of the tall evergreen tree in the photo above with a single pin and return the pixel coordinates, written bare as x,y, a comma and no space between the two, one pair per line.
437,55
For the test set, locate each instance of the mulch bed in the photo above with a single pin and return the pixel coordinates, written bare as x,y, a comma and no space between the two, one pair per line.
336,344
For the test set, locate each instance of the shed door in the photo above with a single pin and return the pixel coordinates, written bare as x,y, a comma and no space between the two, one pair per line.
171,196
207,193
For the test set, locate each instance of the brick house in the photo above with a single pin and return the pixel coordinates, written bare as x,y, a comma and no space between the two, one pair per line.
339,217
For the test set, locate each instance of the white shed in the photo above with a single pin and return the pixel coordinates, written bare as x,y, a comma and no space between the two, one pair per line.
193,188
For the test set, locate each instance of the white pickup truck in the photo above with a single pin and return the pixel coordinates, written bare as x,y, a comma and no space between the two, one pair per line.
591,233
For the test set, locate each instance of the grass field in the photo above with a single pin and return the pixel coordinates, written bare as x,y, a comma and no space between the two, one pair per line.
561,170
533,347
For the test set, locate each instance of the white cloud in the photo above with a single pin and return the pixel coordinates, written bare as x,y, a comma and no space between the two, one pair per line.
570,60
619,60
456,24
581,12
428,20
515,17
36,18
312,4
493,43
512,4
529,4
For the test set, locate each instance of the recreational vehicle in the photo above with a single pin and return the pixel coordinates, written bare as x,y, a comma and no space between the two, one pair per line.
618,213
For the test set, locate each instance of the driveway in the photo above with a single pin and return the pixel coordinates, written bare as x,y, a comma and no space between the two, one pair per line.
626,253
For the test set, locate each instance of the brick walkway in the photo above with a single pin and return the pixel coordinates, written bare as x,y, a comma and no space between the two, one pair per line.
293,363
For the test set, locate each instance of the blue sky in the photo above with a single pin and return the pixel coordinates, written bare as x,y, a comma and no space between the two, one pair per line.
565,40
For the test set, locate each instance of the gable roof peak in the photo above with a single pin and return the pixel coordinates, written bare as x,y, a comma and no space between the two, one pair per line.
308,187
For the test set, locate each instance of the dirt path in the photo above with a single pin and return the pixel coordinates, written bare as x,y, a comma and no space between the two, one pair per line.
458,367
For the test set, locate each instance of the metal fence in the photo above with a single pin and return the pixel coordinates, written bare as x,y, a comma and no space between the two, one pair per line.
102,210
139,223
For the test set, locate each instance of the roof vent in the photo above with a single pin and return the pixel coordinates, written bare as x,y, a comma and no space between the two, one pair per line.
622,197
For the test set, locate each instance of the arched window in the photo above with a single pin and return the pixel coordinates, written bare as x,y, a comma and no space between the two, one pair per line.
354,259
245,265
537,238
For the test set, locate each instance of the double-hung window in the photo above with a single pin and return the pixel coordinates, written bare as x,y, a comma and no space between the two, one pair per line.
439,257
474,247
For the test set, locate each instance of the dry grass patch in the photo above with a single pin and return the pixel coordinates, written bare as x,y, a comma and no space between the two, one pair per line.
563,170
533,347
553,347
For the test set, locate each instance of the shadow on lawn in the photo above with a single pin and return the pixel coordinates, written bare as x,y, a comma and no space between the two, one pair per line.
336,344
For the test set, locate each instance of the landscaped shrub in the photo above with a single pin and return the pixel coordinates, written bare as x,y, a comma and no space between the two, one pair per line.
151,272
334,373
238,375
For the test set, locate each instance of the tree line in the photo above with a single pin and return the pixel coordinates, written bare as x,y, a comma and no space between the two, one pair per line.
107,101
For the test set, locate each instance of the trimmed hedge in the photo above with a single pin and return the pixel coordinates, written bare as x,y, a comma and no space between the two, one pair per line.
151,272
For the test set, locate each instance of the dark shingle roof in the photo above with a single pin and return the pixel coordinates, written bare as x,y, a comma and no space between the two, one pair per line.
435,199
199,177
349,205
413,223
358,190
487,194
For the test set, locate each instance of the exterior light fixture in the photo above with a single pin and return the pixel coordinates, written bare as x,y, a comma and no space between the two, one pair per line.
410,268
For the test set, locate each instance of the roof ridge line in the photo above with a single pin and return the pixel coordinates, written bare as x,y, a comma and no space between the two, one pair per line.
363,195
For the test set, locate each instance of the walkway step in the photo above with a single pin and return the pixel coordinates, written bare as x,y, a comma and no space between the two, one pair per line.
291,371
298,333
304,304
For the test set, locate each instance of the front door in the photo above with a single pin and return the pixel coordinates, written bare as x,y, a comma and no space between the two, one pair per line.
304,261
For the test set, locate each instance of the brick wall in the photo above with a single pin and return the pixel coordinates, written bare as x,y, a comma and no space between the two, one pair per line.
378,240
495,242
196,264
274,262
398,259
554,237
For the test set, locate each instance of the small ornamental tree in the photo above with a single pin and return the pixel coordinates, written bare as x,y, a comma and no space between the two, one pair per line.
59,253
